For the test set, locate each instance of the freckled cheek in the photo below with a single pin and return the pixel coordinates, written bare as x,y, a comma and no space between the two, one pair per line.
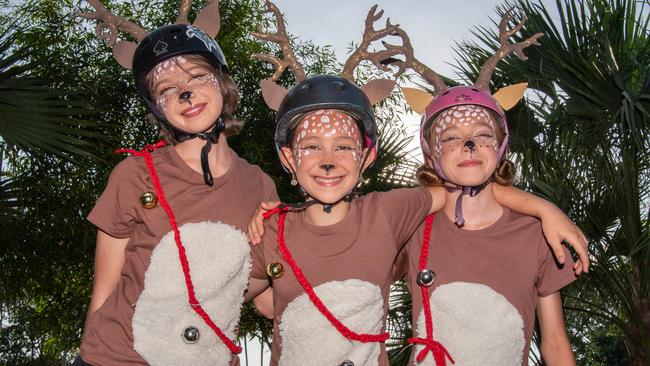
487,143
448,148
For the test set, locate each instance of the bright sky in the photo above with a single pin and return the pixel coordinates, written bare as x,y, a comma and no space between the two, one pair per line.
432,25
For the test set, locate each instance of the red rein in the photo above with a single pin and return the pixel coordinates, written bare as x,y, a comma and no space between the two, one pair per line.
193,301
309,290
440,353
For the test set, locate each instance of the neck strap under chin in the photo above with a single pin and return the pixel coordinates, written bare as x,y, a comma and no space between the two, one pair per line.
465,190
327,207
211,136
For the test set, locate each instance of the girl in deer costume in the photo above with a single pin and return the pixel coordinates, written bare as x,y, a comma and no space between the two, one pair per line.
331,258
172,260
478,271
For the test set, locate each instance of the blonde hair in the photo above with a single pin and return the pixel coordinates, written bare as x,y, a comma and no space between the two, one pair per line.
229,93
504,174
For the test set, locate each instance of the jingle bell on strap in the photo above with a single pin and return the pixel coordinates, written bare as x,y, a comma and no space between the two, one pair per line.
275,270
191,335
426,277
148,200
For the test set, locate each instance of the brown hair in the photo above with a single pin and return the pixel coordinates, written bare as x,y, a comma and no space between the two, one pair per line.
504,173
229,93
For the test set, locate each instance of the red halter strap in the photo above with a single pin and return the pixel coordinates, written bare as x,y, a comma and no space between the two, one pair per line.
440,353
193,301
281,210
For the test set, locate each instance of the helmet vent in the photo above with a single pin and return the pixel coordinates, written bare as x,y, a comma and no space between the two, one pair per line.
305,88
338,85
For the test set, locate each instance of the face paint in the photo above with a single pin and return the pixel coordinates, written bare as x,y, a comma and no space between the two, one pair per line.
177,81
326,124
462,117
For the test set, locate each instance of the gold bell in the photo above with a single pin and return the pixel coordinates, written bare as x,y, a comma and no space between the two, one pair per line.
148,200
275,270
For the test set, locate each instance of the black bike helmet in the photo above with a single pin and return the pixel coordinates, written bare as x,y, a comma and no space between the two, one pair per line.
167,42
325,92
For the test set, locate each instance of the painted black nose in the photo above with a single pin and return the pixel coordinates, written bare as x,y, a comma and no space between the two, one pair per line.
327,167
470,144
185,96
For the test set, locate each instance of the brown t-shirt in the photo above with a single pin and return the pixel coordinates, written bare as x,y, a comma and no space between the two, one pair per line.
486,287
349,264
145,316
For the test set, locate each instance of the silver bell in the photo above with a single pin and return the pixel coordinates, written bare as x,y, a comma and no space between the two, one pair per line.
347,363
426,277
191,335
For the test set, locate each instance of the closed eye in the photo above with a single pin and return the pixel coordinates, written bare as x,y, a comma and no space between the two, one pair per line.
449,139
198,77
167,90
486,135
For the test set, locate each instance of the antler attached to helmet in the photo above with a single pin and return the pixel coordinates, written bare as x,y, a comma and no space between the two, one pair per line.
282,38
370,35
110,24
410,61
483,81
183,11
208,20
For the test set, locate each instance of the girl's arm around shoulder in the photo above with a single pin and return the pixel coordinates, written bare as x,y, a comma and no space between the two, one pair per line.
556,349
557,227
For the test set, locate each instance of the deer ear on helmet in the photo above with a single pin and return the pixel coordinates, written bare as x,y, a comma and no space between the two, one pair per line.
209,19
272,93
417,99
123,52
378,89
510,95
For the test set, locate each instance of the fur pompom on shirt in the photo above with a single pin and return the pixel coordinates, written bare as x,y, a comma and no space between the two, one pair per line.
219,259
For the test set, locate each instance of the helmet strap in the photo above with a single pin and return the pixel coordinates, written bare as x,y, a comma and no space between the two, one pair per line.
210,135
472,191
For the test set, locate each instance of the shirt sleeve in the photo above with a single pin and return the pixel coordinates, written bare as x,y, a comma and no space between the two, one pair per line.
270,192
551,276
405,209
115,211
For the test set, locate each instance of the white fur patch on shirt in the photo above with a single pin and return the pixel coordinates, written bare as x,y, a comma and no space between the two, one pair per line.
308,338
477,325
219,261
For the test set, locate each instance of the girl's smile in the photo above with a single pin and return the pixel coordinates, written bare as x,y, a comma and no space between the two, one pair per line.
194,110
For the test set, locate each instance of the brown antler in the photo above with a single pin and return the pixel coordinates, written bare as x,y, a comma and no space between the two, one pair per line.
483,81
183,11
280,37
410,61
370,35
108,28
